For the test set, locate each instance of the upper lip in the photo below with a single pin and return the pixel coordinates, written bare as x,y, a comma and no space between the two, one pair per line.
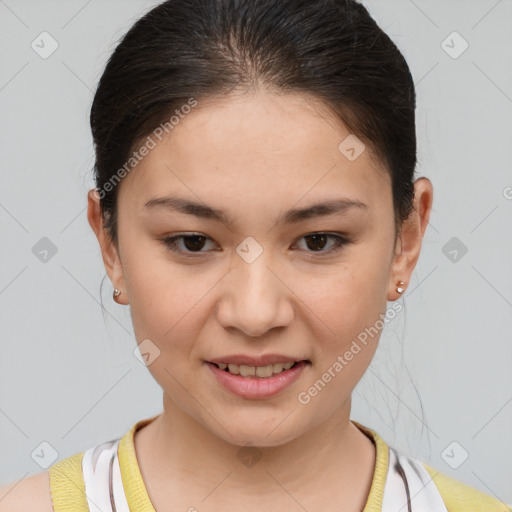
264,360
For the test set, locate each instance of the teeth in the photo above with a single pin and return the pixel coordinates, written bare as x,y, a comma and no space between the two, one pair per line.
258,371
265,371
247,371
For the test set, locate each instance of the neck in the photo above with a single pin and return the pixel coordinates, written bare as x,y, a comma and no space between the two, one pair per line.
176,452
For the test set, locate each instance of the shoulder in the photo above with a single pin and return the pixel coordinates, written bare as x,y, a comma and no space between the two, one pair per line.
59,489
30,493
459,497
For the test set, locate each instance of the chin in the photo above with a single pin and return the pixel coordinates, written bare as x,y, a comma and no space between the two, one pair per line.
259,433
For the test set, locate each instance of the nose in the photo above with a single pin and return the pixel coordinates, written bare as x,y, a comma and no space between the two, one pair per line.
255,298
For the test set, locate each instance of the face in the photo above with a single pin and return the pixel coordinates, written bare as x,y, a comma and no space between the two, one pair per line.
254,275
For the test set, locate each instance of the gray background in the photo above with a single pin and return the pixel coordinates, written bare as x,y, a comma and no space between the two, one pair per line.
441,374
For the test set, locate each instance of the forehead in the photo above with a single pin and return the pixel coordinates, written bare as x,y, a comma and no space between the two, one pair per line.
258,148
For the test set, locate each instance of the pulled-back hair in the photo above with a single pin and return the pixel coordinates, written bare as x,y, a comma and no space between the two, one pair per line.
202,49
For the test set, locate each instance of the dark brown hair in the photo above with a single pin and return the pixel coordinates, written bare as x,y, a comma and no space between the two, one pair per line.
183,49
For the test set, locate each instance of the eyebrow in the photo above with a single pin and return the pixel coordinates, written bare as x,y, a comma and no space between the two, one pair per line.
295,215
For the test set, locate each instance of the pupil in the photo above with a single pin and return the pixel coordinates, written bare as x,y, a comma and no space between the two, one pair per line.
193,246
316,238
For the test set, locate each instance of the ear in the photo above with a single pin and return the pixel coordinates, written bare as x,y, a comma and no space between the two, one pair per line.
408,244
109,250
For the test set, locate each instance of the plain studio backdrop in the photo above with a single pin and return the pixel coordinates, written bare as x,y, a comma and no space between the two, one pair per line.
439,388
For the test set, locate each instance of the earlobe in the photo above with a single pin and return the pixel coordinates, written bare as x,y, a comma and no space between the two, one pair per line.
109,251
411,236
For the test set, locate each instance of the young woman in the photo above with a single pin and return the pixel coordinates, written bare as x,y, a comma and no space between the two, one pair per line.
257,210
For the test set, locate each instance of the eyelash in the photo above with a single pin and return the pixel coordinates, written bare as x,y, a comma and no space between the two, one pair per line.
340,243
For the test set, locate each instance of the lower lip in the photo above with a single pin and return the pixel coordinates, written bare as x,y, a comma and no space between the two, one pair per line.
256,387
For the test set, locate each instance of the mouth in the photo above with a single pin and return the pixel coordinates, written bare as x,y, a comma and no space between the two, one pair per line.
262,372
257,378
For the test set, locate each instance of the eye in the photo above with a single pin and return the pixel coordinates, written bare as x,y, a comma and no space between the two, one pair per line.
317,242
192,244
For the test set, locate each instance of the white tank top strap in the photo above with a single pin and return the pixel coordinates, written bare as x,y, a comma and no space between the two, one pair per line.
102,477
409,487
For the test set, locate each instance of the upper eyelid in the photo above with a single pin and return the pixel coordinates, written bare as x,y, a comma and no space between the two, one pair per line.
187,234
340,238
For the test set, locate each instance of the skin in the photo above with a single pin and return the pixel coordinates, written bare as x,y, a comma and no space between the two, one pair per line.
256,156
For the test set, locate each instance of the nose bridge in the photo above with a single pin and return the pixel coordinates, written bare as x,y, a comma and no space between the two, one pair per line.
252,265
256,299
256,284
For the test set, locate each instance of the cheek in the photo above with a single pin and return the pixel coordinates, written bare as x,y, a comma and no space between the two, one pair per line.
348,308
346,326
164,298
348,299
167,310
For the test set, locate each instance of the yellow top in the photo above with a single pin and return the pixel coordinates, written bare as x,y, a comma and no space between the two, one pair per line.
68,489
